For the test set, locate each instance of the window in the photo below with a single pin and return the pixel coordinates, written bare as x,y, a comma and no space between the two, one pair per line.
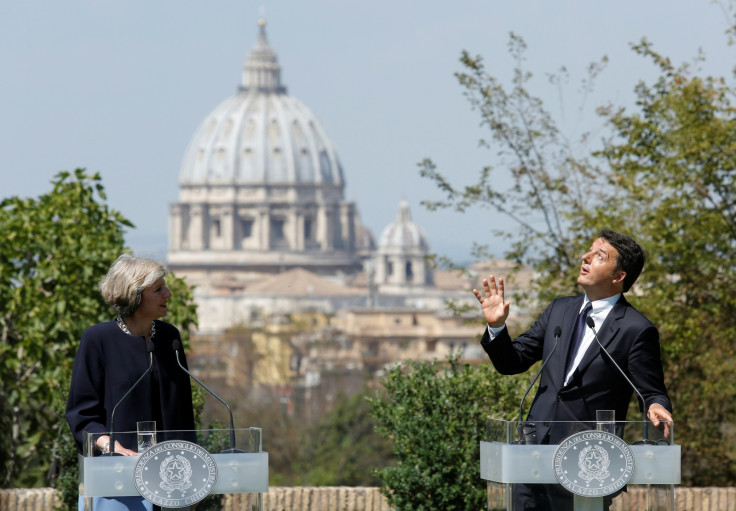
278,233
277,230
308,229
246,226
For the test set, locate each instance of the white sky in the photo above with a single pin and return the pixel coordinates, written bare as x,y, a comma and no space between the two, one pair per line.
120,87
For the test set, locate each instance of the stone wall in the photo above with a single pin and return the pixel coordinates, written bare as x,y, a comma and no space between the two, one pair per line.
368,499
22,499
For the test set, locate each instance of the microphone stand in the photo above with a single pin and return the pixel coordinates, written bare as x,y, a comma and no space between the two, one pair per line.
177,347
645,432
521,426
149,348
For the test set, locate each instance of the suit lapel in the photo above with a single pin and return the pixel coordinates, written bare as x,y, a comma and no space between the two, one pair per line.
606,334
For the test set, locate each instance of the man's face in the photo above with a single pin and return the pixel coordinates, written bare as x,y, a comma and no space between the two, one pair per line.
598,275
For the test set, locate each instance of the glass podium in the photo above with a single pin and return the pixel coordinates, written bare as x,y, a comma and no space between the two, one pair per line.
625,465
180,469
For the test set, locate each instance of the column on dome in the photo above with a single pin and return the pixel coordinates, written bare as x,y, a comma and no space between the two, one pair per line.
325,226
299,244
399,263
264,228
228,226
379,265
414,270
347,221
197,234
175,227
395,270
292,227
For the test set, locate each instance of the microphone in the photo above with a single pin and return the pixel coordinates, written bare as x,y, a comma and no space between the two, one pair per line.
645,433
176,344
529,427
149,349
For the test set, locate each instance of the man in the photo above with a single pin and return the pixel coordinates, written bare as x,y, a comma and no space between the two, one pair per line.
579,378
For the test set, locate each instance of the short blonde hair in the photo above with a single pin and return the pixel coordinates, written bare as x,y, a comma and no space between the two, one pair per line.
122,287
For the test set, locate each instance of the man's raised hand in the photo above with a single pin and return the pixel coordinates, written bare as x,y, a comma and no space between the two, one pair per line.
495,309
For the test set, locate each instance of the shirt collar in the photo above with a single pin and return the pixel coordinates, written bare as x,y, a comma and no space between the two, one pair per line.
604,304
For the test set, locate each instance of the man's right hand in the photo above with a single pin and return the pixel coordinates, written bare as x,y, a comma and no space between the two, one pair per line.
495,309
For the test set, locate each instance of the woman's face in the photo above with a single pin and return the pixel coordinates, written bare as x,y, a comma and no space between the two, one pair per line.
153,301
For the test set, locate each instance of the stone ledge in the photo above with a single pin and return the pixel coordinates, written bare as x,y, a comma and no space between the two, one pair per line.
344,498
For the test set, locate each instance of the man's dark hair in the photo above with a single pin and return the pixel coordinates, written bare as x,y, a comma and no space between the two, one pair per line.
631,256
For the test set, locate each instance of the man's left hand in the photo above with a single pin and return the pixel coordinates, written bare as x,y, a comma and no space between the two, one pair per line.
657,413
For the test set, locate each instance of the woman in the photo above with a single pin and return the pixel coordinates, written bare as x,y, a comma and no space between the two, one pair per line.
113,355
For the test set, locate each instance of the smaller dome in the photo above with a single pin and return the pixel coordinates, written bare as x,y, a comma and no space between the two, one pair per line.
403,233
364,240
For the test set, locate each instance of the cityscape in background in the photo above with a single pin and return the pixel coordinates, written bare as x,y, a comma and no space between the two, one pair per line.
295,296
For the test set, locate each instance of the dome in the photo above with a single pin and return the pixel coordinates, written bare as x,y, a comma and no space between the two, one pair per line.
261,135
261,188
403,234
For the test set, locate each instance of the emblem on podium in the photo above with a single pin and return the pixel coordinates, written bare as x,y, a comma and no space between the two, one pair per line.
593,463
175,473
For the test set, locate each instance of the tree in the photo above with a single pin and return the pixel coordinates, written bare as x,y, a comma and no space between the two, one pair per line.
343,449
665,176
549,182
435,416
673,166
55,249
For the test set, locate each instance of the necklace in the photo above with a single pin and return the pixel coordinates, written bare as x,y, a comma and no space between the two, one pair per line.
124,327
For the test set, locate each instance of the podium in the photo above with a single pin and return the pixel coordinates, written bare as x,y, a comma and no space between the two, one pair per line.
226,470
559,474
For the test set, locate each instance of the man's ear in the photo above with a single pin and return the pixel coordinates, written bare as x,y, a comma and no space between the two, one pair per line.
619,279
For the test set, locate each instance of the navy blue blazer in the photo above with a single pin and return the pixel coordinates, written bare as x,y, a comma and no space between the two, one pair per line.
107,364
630,338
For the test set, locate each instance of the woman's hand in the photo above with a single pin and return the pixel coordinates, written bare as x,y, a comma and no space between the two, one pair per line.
103,444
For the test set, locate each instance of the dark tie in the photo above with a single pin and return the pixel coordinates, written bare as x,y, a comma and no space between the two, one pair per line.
577,335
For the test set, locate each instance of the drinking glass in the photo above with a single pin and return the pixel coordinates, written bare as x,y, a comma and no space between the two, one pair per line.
146,434
606,421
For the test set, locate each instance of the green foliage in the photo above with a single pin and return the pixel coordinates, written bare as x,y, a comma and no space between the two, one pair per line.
548,183
434,414
673,162
665,175
56,248
343,449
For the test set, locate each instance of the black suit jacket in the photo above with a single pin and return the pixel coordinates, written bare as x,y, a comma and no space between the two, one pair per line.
630,338
107,364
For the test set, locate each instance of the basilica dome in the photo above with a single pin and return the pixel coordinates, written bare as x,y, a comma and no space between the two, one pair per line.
261,188
261,135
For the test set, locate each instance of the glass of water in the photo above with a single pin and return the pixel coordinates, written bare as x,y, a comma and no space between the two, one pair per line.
146,434
606,421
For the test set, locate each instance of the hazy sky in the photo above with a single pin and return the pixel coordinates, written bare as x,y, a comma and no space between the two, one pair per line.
120,87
